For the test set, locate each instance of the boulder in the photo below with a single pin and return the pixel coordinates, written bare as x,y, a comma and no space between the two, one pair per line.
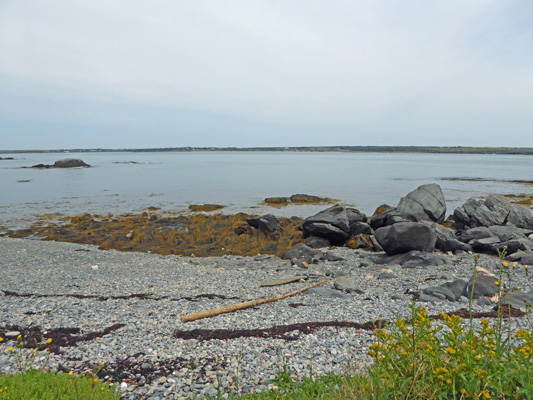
360,228
334,235
484,285
455,245
443,234
386,215
406,236
527,259
267,223
346,284
332,224
426,203
475,234
520,217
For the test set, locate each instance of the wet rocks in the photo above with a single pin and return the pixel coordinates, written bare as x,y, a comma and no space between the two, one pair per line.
406,236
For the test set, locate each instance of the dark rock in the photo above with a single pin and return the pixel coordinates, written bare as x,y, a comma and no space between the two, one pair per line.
386,215
475,234
70,163
360,228
299,251
527,259
336,216
317,242
355,216
494,245
427,298
243,229
484,285
334,235
267,223
405,236
455,245
426,203
440,291
520,217
277,200
508,232
308,199
492,212
443,234
483,301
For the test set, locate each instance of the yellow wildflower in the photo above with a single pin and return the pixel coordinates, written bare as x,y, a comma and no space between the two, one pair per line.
49,341
70,372
449,350
10,349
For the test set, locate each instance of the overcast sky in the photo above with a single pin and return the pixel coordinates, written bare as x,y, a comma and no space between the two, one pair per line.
167,73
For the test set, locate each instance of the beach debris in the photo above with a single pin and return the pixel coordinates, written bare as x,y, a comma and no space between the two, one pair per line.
283,281
241,306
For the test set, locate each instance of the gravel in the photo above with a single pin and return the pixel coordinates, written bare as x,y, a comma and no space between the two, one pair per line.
54,285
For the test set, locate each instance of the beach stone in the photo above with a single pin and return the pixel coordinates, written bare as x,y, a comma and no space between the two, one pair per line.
427,298
426,203
11,334
483,301
484,286
405,236
387,275
441,291
300,251
443,234
519,299
490,213
317,242
527,259
346,284
327,293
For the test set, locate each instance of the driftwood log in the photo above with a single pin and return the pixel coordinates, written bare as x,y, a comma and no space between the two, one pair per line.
247,304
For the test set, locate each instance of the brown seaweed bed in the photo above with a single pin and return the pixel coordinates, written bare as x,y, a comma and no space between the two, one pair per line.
196,234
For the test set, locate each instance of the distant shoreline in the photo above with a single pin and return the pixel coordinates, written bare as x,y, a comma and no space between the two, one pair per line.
346,149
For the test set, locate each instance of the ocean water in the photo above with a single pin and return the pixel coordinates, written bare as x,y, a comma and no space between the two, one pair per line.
120,182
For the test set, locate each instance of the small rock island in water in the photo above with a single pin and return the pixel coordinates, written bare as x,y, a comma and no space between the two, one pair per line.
64,163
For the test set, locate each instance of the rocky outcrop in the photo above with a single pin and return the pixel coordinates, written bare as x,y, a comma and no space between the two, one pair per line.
64,163
494,211
406,236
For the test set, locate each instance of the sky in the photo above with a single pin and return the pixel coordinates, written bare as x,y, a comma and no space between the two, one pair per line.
175,73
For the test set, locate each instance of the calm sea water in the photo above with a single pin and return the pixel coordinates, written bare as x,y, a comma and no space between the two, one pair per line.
241,180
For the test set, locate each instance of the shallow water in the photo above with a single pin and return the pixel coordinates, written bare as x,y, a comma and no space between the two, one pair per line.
242,180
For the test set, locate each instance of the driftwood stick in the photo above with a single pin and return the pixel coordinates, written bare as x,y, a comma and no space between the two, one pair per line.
247,304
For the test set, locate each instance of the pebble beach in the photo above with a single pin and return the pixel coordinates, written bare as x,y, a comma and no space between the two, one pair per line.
54,285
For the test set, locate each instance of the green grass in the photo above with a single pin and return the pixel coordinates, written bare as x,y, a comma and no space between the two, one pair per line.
35,384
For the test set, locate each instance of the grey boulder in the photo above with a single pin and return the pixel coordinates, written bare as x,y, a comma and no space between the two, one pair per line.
406,236
426,203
